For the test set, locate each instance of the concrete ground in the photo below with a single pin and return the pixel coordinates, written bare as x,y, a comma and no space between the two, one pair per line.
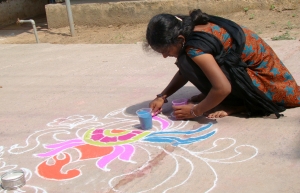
53,97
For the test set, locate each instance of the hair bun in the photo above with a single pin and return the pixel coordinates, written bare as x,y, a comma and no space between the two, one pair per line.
198,17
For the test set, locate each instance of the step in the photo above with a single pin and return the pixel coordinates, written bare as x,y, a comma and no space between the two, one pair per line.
100,13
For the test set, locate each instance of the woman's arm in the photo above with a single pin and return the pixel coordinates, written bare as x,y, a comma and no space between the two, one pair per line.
176,83
221,88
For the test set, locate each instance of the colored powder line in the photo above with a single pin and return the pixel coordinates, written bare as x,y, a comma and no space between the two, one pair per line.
104,161
57,145
126,155
56,151
164,123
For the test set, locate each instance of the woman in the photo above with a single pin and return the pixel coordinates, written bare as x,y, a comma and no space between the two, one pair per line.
234,69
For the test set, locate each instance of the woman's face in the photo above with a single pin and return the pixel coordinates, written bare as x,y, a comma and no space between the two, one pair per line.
171,51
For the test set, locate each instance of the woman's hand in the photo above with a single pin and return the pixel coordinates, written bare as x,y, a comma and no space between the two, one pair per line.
183,111
156,105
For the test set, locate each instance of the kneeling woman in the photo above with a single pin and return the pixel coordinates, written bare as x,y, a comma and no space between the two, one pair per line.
234,69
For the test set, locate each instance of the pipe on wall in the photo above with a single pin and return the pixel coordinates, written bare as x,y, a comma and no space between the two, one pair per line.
33,26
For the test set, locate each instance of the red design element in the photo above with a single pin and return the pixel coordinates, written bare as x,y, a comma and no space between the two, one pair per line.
54,171
127,136
97,137
91,151
136,131
98,131
117,130
109,139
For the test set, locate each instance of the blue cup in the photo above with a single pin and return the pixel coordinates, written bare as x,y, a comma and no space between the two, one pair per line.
145,118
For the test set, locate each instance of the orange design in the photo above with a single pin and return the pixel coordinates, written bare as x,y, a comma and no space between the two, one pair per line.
91,151
54,171
117,130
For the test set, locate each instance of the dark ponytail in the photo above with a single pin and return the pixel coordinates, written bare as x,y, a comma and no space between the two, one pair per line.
198,17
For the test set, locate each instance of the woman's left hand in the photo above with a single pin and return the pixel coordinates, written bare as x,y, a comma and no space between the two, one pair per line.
183,111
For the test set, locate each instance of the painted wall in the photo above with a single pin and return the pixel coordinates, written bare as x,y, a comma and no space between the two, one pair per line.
116,13
11,10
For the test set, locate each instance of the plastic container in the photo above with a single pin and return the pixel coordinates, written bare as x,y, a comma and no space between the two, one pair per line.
145,118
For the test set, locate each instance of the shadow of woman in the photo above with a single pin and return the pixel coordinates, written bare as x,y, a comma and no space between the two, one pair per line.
184,92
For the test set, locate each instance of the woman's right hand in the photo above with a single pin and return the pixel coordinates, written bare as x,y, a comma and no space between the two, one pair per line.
156,105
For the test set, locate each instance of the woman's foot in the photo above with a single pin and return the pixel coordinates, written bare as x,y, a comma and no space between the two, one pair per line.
223,111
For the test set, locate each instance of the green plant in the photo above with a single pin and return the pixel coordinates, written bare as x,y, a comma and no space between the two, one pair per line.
119,38
285,36
251,16
289,25
273,22
246,9
272,7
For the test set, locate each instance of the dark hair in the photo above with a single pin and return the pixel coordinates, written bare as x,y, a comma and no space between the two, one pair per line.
163,29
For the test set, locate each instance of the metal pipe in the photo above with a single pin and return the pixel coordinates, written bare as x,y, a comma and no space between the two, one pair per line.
33,26
70,17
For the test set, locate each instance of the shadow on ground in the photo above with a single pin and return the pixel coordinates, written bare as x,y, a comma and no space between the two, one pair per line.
184,92
296,151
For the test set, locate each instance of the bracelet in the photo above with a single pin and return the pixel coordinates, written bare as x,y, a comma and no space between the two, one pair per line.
161,96
193,113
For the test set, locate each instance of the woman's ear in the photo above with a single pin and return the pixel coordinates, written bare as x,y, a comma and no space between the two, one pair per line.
181,39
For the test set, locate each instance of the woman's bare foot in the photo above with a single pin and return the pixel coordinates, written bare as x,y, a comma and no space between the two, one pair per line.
217,114
225,111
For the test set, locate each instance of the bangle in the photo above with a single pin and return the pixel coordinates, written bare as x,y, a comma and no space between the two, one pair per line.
193,113
161,96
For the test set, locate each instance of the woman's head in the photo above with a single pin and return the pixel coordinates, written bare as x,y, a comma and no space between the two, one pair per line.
167,32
